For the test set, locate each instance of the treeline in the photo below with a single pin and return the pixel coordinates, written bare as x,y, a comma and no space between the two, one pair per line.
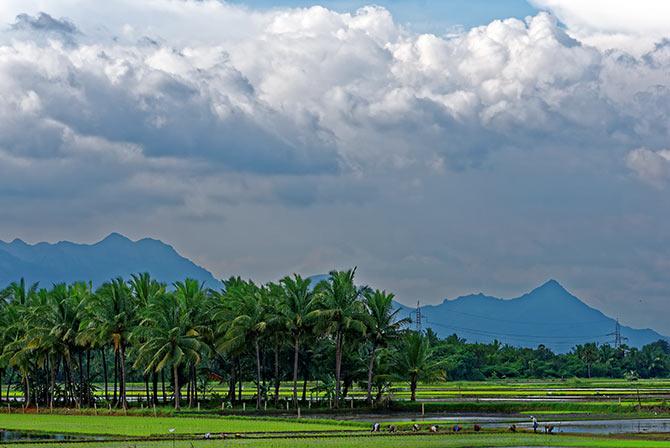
477,361
60,344
72,345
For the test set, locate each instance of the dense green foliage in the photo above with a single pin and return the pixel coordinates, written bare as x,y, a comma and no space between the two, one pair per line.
59,344
465,361
71,345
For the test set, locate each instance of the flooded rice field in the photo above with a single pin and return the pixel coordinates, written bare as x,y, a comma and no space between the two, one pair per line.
21,436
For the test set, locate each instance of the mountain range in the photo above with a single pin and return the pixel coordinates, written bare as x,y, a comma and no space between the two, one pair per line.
547,315
112,257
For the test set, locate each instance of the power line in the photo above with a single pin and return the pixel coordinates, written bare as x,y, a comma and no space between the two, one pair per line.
418,316
522,337
525,322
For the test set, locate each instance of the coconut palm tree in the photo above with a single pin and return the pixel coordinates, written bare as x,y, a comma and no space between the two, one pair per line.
113,314
277,333
299,302
15,353
247,322
54,331
192,297
144,289
341,313
588,353
414,361
169,338
383,326
19,292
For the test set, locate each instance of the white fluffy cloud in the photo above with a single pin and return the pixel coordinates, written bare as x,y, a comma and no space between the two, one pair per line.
312,90
171,115
635,25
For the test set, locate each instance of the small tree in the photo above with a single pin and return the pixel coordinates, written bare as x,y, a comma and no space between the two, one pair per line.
414,361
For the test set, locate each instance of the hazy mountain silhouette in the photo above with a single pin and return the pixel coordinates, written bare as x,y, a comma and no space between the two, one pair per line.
548,315
114,256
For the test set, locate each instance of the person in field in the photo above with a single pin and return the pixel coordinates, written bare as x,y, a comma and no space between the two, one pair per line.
535,424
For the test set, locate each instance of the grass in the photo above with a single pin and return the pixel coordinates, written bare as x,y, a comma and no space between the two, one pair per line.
603,397
136,426
404,441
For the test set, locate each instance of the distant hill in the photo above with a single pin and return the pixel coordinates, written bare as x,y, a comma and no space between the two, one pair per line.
548,315
114,256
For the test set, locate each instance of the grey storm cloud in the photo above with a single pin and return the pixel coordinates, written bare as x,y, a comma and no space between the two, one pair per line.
43,22
303,139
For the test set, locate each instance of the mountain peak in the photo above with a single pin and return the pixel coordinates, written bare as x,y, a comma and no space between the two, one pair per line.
115,237
549,314
551,283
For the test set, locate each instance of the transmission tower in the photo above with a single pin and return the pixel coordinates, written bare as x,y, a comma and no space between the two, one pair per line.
418,316
618,338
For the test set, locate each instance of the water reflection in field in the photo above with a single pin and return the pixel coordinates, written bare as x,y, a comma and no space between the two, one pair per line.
14,436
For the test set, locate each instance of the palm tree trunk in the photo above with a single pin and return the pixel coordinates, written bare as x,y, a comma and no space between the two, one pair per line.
116,375
188,387
371,367
413,387
88,376
9,382
124,402
2,372
177,396
154,377
239,381
296,353
232,382
163,386
104,372
67,367
26,397
52,386
81,378
338,368
258,375
195,385
277,382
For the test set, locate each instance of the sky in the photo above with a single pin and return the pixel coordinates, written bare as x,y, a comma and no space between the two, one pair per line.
444,148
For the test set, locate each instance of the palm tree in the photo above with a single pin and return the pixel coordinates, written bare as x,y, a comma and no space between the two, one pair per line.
248,322
414,361
192,296
54,331
383,326
15,353
298,304
275,304
144,288
113,316
19,293
169,338
341,313
588,353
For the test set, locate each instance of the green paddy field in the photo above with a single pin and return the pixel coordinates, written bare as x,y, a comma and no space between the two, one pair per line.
320,426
